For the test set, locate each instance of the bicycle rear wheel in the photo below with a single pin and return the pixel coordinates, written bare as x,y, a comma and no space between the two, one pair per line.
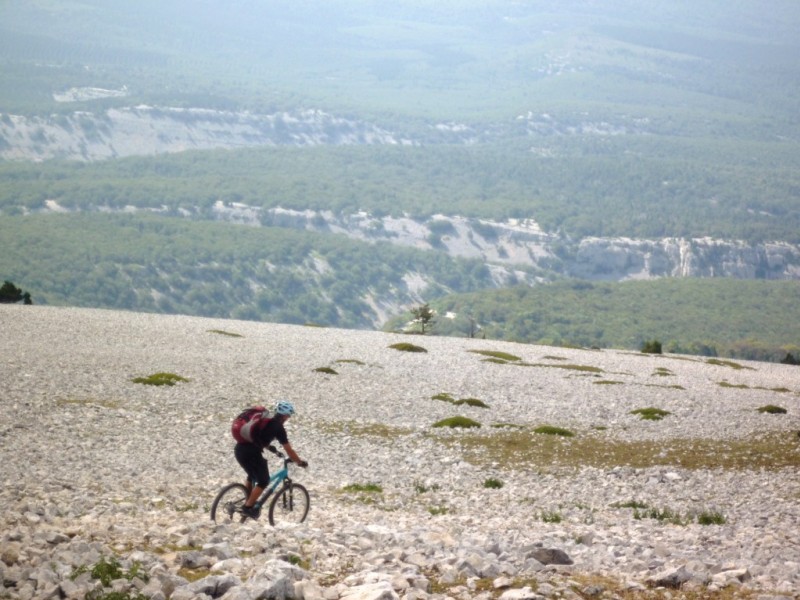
290,505
230,499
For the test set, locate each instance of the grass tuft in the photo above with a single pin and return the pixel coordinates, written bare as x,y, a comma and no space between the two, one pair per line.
368,488
711,518
326,370
550,430
493,484
457,422
406,347
225,333
727,363
552,517
771,409
650,413
500,356
445,397
160,379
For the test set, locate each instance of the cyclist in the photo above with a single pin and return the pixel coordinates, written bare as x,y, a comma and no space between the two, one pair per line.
250,457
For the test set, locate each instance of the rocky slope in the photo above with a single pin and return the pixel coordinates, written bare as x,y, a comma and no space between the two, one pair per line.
96,468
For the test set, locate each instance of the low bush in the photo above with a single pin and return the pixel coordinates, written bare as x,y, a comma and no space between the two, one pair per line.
501,356
106,571
771,409
457,422
445,397
226,333
370,488
711,518
552,517
326,370
406,347
160,379
651,347
493,484
550,430
650,413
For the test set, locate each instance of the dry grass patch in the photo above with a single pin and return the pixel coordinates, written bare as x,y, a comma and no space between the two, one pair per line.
520,448
353,428
728,363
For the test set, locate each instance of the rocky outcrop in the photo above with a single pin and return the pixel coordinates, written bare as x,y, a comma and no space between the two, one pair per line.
523,244
620,258
147,130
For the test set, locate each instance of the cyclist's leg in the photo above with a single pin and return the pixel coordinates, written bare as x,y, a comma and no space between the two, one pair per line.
255,465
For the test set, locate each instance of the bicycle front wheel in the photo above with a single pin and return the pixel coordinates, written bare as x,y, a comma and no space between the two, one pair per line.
290,505
231,498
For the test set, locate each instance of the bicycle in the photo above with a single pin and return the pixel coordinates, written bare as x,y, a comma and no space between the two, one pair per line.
290,503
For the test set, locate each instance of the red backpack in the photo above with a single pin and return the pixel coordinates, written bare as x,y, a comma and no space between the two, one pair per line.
246,425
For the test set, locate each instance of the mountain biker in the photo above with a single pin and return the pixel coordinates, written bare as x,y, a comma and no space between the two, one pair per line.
251,459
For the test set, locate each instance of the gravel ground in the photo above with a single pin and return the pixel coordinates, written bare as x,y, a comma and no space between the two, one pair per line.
94,465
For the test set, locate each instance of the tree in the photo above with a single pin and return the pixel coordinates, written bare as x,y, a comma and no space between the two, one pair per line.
424,315
9,294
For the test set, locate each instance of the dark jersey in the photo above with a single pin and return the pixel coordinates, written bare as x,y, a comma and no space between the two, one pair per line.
271,431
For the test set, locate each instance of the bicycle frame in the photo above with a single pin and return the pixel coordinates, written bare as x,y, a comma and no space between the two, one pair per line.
276,479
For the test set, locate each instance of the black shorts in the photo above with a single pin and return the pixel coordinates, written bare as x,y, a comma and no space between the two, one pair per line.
253,463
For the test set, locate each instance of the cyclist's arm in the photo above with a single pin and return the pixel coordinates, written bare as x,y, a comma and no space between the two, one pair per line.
292,454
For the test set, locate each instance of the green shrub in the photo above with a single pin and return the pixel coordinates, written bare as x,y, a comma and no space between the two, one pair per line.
438,510
650,413
663,514
499,356
103,595
406,347
772,409
369,488
106,571
726,363
711,518
552,517
471,402
460,422
493,484
159,379
739,386
445,397
651,347
226,333
550,430
630,504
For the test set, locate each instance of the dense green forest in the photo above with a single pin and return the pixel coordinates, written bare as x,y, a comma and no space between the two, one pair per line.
160,264
755,320
583,190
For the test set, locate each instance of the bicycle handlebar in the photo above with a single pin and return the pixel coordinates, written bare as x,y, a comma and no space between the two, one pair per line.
281,455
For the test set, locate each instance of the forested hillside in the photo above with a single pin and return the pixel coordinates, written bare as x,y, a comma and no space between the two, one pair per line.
714,317
682,189
162,264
